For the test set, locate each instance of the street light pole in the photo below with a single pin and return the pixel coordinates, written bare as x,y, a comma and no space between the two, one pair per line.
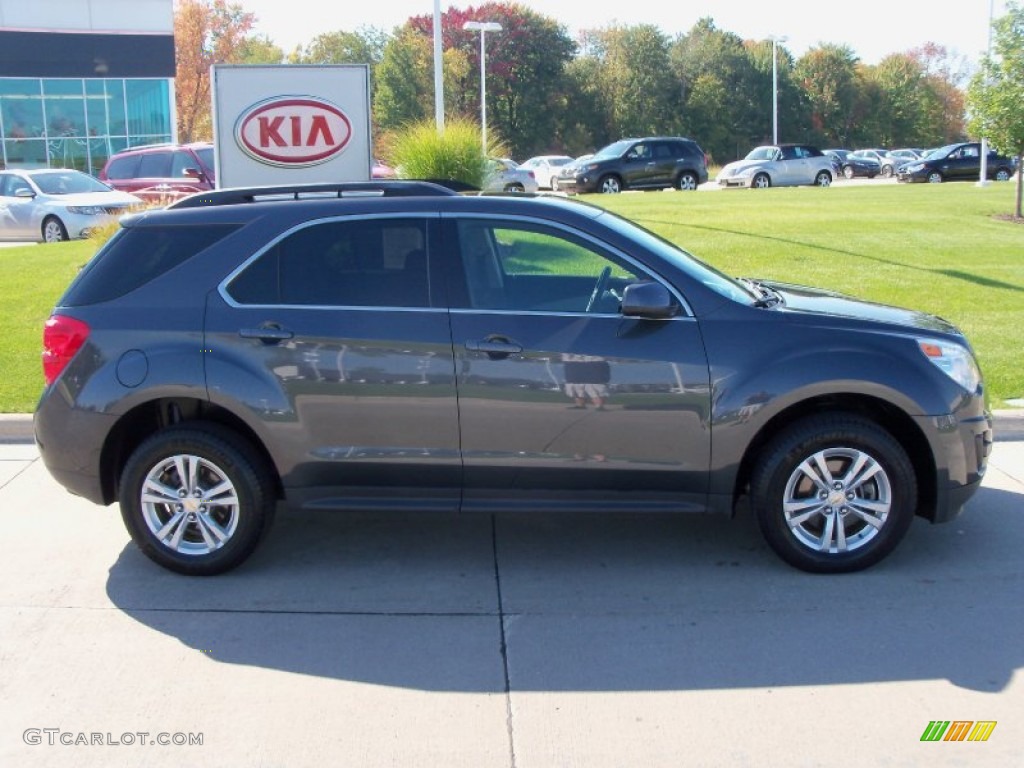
983,175
776,39
483,27
438,73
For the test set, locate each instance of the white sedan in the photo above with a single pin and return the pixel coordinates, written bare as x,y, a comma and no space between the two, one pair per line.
546,169
53,204
778,165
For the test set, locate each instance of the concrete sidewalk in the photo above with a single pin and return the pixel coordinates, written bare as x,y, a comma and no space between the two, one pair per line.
526,641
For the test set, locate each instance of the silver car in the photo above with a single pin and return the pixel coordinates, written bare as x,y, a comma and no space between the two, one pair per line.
504,175
546,169
778,165
53,204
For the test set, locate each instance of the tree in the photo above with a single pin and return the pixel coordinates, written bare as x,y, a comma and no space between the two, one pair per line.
206,32
827,76
996,93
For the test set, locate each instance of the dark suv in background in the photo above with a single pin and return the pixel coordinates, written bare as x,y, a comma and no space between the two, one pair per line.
162,171
393,345
656,162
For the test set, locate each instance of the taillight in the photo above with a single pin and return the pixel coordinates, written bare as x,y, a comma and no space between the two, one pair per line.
62,338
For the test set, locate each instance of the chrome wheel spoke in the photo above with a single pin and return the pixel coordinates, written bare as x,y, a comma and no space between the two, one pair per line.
155,492
799,511
871,512
212,533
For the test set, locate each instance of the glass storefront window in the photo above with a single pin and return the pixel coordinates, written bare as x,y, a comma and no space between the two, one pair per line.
79,123
21,104
147,107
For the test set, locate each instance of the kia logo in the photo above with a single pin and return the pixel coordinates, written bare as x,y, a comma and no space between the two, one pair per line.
293,131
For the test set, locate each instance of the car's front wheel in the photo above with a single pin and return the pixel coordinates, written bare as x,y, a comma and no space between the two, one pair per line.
823,179
54,230
934,177
610,185
686,182
761,181
886,171
196,499
1003,175
833,493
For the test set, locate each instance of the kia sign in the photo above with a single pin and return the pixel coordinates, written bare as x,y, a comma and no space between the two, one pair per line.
285,124
293,131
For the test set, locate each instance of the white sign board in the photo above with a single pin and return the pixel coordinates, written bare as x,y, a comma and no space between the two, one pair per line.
289,124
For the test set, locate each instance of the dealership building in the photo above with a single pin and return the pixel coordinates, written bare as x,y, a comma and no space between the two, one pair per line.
82,79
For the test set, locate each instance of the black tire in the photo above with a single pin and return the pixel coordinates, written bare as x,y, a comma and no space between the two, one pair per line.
686,182
825,528
1003,174
219,530
53,230
848,172
823,179
514,187
761,181
934,177
609,185
887,171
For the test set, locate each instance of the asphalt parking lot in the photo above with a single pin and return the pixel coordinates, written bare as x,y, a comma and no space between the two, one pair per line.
510,641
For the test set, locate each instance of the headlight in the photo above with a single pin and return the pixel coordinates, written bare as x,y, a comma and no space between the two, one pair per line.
589,167
86,210
914,168
953,360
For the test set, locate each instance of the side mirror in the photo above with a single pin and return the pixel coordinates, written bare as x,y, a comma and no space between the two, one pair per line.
24,192
648,300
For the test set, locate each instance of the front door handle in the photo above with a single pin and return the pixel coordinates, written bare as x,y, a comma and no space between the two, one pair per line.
268,333
495,347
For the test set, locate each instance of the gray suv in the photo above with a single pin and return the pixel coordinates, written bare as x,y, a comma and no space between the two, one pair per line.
395,345
654,162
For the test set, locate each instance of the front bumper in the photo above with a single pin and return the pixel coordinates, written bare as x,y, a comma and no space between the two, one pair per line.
735,181
961,443
912,177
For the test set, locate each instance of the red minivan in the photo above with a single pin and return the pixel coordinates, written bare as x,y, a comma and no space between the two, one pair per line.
162,172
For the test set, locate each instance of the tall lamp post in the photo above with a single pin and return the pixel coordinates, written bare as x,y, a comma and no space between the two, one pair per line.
983,174
438,74
776,39
483,27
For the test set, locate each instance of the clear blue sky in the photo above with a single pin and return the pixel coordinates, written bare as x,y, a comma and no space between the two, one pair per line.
872,28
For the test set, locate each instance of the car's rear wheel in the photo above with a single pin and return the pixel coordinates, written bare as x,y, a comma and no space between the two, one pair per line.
1003,174
554,184
686,182
823,179
833,493
934,177
848,172
515,187
610,185
196,499
886,171
761,181
54,230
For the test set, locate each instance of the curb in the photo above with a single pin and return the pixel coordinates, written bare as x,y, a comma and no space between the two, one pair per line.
17,427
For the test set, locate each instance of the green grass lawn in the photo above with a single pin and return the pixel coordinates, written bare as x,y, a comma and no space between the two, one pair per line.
936,248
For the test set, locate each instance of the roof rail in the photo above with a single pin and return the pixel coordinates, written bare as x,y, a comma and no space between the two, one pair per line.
377,188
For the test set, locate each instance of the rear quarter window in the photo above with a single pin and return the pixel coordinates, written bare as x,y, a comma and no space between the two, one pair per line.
137,255
123,168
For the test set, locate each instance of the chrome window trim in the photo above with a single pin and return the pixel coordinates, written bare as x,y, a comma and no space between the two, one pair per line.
222,286
600,244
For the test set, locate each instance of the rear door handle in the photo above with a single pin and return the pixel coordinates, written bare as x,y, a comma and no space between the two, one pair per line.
268,333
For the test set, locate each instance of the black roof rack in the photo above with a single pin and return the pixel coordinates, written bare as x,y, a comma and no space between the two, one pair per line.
379,188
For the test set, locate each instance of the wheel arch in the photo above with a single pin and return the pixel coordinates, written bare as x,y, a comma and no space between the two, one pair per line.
149,417
895,421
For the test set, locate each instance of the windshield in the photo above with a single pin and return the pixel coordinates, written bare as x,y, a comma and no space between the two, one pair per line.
707,275
613,150
67,183
761,153
206,157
